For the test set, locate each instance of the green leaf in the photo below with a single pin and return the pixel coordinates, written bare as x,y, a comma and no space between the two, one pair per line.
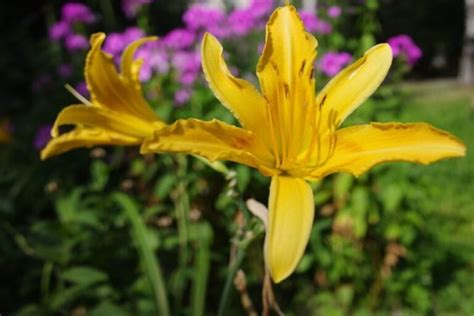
243,177
100,175
164,185
342,185
148,259
392,197
108,309
83,275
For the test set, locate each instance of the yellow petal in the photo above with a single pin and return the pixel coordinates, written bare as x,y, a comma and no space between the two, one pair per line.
109,89
353,85
85,137
360,147
105,119
285,72
213,140
291,211
238,95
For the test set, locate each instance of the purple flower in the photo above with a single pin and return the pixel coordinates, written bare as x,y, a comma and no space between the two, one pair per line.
81,87
75,42
200,17
64,70
334,11
241,22
403,45
188,78
182,96
131,7
154,59
132,34
59,30
115,43
179,39
331,63
77,12
260,8
313,24
42,137
187,61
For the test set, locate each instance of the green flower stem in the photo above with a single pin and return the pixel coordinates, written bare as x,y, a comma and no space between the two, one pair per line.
230,277
182,214
147,257
203,235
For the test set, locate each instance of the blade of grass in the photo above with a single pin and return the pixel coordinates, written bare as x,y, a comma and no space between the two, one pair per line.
147,256
203,235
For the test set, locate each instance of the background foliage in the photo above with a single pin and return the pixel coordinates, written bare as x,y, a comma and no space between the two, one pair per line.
77,231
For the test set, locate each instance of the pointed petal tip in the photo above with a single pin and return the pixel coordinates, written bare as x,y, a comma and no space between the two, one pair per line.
97,38
380,51
291,214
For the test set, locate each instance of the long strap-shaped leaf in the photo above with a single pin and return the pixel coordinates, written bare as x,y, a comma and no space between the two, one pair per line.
147,257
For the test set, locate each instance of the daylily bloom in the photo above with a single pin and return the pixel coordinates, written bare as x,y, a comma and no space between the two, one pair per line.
117,114
291,134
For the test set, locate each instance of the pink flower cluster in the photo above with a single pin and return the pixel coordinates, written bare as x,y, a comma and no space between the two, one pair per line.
131,7
313,24
403,45
239,22
71,13
332,62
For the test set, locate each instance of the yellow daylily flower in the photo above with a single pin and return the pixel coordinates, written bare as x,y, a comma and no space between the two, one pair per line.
292,135
117,114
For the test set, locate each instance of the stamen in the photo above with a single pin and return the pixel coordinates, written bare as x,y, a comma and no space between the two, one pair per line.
77,95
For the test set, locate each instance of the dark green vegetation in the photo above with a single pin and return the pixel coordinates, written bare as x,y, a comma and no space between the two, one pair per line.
396,239
99,232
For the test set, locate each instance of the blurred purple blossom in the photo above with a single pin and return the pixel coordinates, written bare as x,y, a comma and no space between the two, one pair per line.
332,62
179,38
261,8
64,70
187,61
42,137
199,17
75,42
131,7
115,43
403,45
77,12
152,53
241,22
313,24
182,96
154,59
334,11
188,78
59,30
81,87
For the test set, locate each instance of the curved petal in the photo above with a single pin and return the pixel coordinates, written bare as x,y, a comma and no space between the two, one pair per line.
85,137
103,118
291,214
213,140
353,85
238,95
285,72
361,147
111,90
